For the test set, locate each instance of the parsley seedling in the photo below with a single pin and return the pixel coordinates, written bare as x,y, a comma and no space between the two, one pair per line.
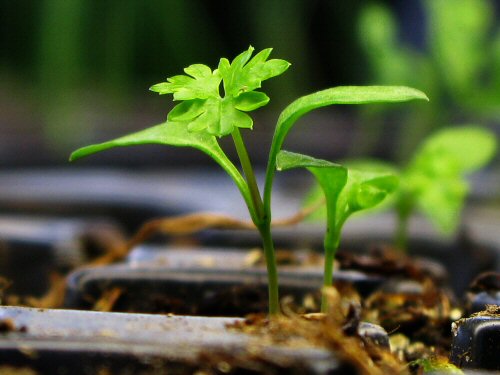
204,115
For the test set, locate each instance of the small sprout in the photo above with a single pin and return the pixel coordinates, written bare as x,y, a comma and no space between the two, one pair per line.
434,181
346,191
204,114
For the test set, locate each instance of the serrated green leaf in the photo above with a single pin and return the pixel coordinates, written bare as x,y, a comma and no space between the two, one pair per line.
232,73
270,69
187,110
210,118
162,88
259,58
249,101
201,84
243,75
198,71
204,110
229,119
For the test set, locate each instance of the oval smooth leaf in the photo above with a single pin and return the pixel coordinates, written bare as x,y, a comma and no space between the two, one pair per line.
471,147
336,95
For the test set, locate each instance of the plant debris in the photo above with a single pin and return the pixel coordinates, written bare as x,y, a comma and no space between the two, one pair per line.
333,331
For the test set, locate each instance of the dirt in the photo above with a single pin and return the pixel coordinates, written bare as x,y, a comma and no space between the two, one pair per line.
335,331
413,307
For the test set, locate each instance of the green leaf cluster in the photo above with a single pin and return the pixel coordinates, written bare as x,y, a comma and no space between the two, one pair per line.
204,109
435,180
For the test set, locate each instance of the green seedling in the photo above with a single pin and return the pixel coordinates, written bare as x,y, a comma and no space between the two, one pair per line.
346,191
434,181
462,47
205,114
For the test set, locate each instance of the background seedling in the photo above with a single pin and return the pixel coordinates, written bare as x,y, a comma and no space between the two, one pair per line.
346,191
457,53
205,114
434,181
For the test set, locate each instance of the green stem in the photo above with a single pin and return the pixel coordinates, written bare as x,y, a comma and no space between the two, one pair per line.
262,222
330,243
401,236
246,165
272,270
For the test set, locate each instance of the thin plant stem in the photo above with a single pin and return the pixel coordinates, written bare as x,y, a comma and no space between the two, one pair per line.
272,269
261,221
401,235
330,244
246,165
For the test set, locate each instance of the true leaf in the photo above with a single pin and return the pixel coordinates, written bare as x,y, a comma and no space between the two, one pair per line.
204,109
243,75
187,110
201,83
249,101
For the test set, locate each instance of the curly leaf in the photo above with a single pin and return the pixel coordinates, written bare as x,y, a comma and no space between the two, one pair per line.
242,75
204,110
201,83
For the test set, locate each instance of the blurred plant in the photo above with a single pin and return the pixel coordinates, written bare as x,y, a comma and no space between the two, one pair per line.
434,180
459,70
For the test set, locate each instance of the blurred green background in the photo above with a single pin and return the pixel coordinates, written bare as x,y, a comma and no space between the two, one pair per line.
74,72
